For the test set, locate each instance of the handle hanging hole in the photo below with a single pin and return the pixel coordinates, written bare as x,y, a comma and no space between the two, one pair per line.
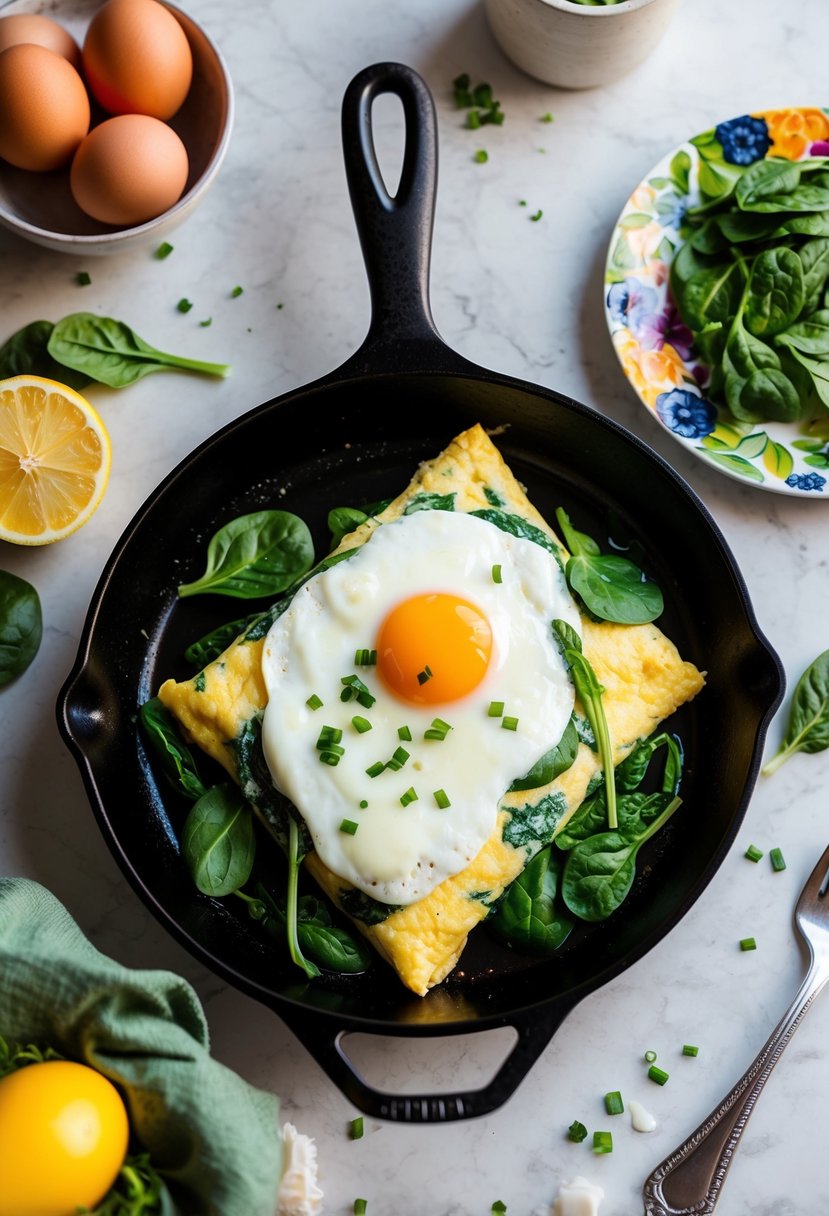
388,127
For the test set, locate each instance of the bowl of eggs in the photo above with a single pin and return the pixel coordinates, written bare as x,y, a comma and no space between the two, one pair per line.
115,118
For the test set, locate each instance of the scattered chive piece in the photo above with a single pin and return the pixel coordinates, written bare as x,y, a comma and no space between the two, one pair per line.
689,1050
349,827
361,725
237,291
602,1142
535,218
576,1132
613,1103
778,861
498,1208
331,757
363,804
360,1206
546,117
184,305
657,1074
748,943
329,735
496,574
441,799
409,796
398,759
83,278
164,250
376,769
650,1056
753,853
496,709
481,156
404,733
353,686
365,658
314,702
438,730
509,723
426,674
356,1128
206,322
522,202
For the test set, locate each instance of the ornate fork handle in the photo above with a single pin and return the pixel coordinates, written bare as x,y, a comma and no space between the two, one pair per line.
688,1182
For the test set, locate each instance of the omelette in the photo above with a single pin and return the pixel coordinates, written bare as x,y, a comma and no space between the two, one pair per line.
419,919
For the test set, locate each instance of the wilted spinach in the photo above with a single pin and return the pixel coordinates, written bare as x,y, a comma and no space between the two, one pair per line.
21,626
342,520
211,645
177,762
254,555
111,353
292,909
526,918
807,729
612,588
553,763
320,939
218,841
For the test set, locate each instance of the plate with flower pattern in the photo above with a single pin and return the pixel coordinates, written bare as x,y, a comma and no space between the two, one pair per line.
661,357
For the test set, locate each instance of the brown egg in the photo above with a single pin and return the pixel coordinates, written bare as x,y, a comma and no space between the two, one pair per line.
137,59
44,107
34,27
128,170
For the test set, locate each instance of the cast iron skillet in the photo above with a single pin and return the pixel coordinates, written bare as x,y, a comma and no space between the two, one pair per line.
357,435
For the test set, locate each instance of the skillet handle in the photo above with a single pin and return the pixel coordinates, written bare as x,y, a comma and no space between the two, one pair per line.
327,1048
395,231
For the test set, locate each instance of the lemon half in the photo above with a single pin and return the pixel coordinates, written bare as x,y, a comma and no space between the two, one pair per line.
55,457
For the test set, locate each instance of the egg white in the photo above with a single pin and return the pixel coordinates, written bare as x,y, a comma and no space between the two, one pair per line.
400,853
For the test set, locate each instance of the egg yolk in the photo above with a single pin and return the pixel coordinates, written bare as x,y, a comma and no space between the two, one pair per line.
433,648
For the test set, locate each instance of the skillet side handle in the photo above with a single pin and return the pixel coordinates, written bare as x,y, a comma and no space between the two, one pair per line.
395,231
326,1046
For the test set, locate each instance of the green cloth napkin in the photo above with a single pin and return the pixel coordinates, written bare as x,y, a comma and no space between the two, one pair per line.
212,1136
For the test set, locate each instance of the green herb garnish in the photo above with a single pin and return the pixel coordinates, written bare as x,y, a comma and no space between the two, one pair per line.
753,853
576,1132
657,1074
83,278
441,799
778,862
613,1103
602,1142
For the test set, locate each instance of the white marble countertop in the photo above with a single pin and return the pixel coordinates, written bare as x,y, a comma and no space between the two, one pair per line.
522,298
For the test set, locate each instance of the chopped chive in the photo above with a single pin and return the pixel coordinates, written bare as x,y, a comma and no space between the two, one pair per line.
496,709
331,757
314,702
360,1206
496,574
498,1208
363,804
602,1142
509,723
83,278
376,769
355,1128
329,735
535,218
576,1132
360,724
650,1056
398,759
657,1074
441,799
206,322
546,117
184,305
349,827
426,674
164,250
365,658
481,156
778,861
753,853
438,730
688,1049
237,291
748,943
353,686
613,1103
409,796
404,733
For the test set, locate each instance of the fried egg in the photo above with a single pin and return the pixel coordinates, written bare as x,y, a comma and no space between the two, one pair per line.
408,687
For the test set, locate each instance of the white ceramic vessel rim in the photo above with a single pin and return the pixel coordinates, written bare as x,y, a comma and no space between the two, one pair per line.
597,11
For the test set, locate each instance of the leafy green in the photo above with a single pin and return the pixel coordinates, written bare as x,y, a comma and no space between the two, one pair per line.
177,762
255,555
291,911
26,353
516,525
430,502
552,764
535,822
138,1190
218,841
342,520
612,588
21,626
110,352
807,729
526,918
319,938
211,645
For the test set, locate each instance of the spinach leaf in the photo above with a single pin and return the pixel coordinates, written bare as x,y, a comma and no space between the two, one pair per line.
611,588
176,759
711,294
21,625
212,644
218,841
553,763
526,918
589,692
516,525
255,555
327,944
630,773
363,908
534,823
775,292
291,911
766,178
811,335
600,870
108,351
807,729
430,502
26,353
818,371
342,520
814,258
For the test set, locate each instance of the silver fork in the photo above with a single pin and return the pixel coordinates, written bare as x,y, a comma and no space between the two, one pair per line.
688,1182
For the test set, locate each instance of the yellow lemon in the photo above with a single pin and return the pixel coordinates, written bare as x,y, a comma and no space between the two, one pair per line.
64,1134
55,459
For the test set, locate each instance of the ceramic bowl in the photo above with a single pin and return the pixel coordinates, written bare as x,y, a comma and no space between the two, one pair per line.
578,46
40,206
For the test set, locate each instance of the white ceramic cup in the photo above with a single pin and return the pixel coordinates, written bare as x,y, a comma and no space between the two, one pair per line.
577,46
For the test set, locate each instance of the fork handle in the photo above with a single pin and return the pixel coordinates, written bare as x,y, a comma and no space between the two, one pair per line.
688,1182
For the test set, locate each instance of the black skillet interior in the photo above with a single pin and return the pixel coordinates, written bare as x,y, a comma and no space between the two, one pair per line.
357,436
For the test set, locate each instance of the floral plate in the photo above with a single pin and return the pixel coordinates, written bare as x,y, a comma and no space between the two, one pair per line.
656,349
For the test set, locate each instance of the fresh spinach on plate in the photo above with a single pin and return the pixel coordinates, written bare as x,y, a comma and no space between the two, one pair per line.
259,554
21,625
612,588
807,729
